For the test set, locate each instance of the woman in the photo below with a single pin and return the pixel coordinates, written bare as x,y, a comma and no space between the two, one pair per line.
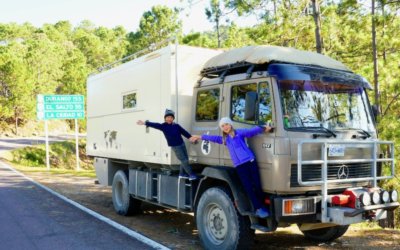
243,159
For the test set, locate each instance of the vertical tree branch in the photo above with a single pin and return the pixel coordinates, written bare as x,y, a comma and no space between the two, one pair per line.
375,56
317,21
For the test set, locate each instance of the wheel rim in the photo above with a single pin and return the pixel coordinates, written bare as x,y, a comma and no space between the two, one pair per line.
216,223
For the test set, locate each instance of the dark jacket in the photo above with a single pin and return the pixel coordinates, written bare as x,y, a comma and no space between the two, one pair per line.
172,132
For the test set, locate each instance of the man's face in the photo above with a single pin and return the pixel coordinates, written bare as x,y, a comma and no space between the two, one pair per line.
169,119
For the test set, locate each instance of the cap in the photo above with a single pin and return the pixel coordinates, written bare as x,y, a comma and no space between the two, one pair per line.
169,112
225,120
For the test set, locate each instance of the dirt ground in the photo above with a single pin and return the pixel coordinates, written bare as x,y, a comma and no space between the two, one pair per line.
177,230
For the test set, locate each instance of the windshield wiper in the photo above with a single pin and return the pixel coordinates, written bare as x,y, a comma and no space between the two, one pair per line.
364,133
327,132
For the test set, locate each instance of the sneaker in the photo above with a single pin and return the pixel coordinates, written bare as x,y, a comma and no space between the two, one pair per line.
183,176
262,213
193,177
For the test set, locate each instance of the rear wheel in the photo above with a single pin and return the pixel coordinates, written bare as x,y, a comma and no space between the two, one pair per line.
325,234
220,225
123,202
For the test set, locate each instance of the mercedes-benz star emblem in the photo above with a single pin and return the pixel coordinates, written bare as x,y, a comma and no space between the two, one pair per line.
343,172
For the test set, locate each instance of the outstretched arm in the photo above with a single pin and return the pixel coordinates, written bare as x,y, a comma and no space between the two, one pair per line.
212,138
250,132
149,124
184,132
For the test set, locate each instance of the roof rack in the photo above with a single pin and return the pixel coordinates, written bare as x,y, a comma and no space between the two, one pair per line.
235,68
215,72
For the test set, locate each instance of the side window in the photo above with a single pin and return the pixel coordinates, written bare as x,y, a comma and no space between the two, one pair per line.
207,105
239,111
264,107
129,100
251,103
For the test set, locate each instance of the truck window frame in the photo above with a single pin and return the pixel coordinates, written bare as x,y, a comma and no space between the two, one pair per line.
216,115
257,120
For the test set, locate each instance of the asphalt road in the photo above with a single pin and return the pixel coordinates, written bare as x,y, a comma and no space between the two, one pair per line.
33,218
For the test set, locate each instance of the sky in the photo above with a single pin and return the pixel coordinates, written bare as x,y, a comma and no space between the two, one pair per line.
100,12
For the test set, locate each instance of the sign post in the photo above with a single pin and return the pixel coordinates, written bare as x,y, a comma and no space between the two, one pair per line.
78,167
46,132
51,107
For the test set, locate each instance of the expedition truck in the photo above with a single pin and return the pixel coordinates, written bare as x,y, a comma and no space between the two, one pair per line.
320,167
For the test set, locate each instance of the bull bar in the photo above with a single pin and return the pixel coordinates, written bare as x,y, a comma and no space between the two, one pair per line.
324,161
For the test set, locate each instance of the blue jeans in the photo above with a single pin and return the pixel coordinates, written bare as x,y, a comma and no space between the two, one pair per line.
250,178
182,155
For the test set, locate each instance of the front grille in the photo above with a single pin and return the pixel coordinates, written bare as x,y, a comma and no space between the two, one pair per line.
313,172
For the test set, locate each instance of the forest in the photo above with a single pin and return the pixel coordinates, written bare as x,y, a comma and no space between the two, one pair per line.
57,58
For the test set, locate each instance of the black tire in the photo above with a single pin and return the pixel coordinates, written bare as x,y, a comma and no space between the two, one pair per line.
219,224
325,234
123,202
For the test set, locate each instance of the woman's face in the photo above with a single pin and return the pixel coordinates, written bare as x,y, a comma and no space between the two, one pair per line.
226,128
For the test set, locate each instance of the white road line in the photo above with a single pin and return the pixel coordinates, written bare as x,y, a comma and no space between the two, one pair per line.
112,223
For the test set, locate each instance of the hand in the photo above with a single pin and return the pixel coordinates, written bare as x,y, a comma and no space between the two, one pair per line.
140,122
268,129
194,138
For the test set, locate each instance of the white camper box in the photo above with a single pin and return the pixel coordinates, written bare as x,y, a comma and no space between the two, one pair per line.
161,79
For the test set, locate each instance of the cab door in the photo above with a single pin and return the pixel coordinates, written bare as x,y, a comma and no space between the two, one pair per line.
249,103
206,110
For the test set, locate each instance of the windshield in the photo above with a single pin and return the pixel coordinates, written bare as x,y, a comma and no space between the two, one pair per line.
334,106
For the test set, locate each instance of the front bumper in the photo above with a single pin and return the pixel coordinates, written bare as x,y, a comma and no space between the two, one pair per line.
346,215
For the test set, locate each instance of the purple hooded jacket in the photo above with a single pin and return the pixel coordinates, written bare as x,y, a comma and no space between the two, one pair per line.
238,149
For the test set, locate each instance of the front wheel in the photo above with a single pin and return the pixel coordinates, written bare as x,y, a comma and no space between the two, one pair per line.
325,234
123,202
220,225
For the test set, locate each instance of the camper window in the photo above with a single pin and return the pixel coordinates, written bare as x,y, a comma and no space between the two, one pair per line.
129,101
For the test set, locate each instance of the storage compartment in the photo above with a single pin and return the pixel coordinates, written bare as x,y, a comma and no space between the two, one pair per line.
104,170
168,190
143,184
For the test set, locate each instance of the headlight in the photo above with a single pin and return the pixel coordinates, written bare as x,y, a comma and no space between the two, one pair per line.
365,199
385,196
298,206
375,197
394,195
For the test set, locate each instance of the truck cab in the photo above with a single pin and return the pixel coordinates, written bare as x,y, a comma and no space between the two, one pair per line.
323,156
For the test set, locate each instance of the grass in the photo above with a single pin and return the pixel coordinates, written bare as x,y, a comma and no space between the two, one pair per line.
57,171
62,158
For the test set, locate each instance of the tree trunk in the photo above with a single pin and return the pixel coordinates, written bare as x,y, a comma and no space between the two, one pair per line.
317,21
375,56
16,120
389,221
218,32
383,33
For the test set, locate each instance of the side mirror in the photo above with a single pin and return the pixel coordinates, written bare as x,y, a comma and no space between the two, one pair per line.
250,108
375,111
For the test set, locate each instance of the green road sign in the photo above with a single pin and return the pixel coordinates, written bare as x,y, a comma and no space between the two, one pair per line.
60,107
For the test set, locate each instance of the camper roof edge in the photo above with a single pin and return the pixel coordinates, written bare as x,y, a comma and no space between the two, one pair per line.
153,47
